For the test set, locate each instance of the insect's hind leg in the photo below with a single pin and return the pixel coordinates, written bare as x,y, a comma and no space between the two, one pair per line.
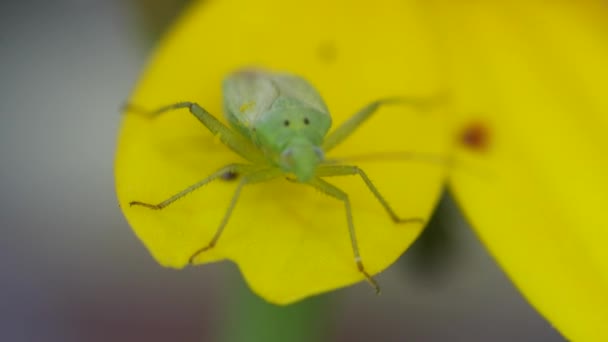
256,176
344,170
228,169
336,193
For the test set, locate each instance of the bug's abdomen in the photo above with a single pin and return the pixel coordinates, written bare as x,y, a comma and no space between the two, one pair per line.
248,94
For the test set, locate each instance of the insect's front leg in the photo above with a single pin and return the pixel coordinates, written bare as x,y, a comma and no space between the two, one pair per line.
228,169
345,170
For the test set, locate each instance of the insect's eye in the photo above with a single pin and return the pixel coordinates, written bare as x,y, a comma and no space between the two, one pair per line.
286,123
306,121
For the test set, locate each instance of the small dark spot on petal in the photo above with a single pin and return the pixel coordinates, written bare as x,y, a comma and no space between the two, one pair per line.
286,123
476,136
306,121
327,52
229,176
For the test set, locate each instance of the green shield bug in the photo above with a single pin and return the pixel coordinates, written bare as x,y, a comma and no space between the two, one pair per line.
279,123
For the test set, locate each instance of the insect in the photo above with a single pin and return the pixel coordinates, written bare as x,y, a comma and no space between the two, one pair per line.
279,123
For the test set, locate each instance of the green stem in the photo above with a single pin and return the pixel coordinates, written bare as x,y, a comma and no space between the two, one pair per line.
251,319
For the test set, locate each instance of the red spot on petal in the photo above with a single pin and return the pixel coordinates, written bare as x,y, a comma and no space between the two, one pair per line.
476,136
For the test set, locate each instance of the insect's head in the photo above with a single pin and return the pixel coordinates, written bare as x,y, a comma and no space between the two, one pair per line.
292,135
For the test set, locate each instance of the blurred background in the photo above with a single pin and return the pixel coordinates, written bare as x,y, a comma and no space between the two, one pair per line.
72,270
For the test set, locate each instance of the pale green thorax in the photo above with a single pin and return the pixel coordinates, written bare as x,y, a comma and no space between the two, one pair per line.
279,124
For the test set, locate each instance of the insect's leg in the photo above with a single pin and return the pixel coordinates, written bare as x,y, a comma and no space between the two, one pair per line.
343,170
349,126
250,178
231,168
334,192
227,136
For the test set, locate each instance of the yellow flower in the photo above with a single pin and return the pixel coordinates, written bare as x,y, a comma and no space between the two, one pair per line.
289,240
526,85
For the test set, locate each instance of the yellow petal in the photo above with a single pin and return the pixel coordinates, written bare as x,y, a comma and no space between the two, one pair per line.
533,76
288,240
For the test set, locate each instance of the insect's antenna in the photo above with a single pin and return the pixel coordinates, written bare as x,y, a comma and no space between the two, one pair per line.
135,109
410,156
343,131
421,103
395,156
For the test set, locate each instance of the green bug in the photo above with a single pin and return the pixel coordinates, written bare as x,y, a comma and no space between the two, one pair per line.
280,124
